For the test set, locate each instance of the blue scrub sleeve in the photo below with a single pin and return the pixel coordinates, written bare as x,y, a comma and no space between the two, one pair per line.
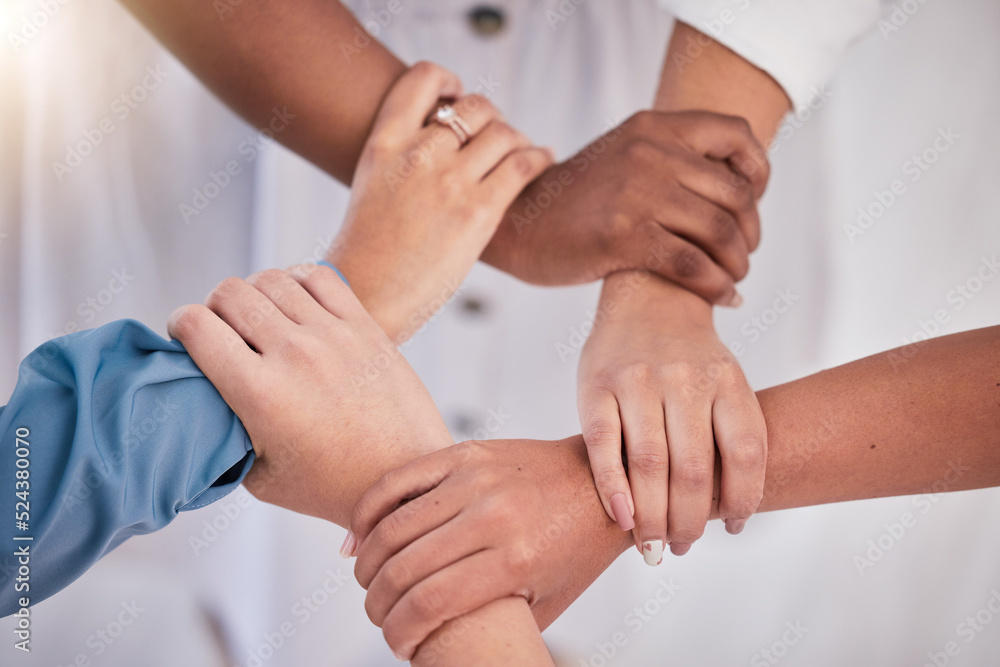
109,433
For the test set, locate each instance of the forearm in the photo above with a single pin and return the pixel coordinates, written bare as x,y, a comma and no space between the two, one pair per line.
719,80
918,419
309,57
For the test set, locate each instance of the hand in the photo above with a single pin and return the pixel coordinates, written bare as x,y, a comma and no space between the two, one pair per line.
326,398
423,206
481,521
655,372
672,192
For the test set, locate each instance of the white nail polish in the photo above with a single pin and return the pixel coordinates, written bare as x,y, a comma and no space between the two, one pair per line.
652,552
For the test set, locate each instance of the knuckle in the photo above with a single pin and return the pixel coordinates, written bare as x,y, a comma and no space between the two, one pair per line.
692,473
602,432
426,70
521,164
224,290
267,276
687,534
498,511
742,508
643,122
683,376
648,461
723,229
426,601
519,562
687,262
641,151
747,452
638,375
738,124
187,320
476,102
398,576
610,479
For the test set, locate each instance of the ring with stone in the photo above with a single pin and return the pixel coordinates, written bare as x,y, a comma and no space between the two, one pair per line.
447,116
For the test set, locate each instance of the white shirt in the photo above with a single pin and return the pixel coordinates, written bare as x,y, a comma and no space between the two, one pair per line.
800,44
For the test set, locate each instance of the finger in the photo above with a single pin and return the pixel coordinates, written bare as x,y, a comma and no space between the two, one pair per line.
408,103
436,550
489,147
730,139
479,580
329,291
705,224
220,353
515,172
251,314
681,262
741,436
692,460
602,433
720,185
408,481
403,525
289,296
648,464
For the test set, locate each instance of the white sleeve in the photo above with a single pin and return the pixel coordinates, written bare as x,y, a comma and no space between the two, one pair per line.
798,42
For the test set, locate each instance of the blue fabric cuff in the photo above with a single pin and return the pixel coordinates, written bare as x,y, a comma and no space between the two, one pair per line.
122,432
323,262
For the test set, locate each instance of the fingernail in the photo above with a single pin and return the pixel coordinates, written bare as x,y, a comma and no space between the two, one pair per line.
398,656
652,552
735,526
348,547
619,507
679,549
735,301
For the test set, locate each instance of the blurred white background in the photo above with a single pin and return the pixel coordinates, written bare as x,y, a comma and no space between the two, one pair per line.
62,235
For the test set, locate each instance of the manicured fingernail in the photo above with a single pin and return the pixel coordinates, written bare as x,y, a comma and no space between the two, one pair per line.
619,507
349,546
652,552
399,656
735,301
679,549
735,526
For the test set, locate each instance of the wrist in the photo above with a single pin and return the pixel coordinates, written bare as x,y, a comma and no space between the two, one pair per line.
643,295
